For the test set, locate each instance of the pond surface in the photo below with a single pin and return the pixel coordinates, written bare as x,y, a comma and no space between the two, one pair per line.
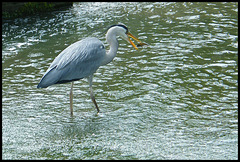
174,99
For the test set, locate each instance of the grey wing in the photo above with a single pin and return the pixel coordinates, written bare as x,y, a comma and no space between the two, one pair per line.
77,61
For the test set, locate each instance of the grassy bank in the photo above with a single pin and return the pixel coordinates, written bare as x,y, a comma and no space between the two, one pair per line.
20,9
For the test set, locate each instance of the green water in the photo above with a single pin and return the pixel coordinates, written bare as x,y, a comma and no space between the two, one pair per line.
175,99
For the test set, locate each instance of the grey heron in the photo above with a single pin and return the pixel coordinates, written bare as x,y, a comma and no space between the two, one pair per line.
82,58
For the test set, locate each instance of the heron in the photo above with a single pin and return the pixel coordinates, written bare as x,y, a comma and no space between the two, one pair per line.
82,59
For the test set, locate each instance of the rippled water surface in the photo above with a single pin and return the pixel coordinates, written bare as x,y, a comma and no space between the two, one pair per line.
174,99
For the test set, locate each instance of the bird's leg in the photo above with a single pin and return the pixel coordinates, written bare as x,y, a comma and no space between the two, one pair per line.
71,100
93,99
91,92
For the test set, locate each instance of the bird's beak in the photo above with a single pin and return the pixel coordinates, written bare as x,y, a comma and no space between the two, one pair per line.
130,35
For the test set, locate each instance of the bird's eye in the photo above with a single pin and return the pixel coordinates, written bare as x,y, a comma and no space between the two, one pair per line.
102,46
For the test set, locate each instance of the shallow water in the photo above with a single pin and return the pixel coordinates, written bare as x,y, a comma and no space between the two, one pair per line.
174,99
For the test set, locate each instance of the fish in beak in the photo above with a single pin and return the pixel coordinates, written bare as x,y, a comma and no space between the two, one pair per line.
132,36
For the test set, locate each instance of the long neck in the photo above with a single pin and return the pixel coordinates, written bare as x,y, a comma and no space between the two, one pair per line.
112,41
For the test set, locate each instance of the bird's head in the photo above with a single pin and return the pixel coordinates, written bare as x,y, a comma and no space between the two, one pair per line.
122,31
